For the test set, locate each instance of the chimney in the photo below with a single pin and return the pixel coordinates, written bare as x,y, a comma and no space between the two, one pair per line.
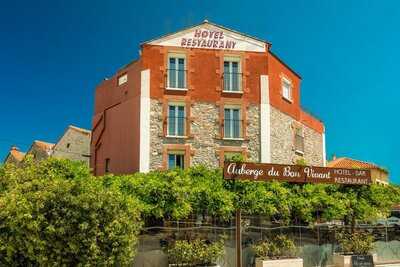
334,157
14,148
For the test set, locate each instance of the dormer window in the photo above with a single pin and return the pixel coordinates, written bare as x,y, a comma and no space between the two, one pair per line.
287,89
176,79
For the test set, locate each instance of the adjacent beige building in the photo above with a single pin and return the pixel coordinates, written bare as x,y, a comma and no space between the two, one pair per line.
74,144
14,156
379,175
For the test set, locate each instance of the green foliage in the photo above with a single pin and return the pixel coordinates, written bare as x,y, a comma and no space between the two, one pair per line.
316,202
195,252
266,198
54,213
359,243
237,158
177,194
277,247
301,162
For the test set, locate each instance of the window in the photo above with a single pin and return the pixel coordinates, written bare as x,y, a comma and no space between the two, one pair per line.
287,89
107,166
232,75
176,72
232,123
176,120
122,79
68,145
299,141
176,160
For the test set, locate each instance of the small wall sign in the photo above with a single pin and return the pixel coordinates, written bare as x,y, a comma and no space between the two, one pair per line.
295,173
362,261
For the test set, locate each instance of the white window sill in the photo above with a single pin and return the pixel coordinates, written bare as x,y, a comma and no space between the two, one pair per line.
287,99
232,92
299,152
175,89
233,139
177,136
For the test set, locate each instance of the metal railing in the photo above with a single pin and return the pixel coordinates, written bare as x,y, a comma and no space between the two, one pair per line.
176,126
176,79
232,81
316,244
232,128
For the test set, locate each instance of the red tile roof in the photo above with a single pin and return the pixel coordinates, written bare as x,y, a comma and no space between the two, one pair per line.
353,164
18,155
44,145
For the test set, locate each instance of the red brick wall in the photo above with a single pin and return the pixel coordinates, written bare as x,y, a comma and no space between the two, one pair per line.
204,72
116,133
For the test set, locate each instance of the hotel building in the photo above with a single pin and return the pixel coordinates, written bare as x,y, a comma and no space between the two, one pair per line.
199,96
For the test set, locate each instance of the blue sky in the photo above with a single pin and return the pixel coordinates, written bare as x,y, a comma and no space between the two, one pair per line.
53,53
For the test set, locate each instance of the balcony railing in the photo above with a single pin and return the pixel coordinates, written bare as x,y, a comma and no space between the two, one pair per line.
232,81
233,129
176,126
176,79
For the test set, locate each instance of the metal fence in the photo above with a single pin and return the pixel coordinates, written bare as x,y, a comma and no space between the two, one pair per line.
316,245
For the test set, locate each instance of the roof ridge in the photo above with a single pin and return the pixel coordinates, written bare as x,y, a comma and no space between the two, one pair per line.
361,161
203,23
44,142
79,129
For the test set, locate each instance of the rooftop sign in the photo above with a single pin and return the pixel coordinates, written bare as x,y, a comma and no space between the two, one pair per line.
209,36
295,173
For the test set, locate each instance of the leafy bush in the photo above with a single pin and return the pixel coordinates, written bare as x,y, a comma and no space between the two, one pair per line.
195,252
359,243
54,213
277,247
178,194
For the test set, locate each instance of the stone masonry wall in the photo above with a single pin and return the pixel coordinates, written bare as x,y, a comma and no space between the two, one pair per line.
205,142
204,129
282,141
74,146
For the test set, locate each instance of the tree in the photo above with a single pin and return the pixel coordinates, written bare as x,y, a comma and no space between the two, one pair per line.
177,194
55,213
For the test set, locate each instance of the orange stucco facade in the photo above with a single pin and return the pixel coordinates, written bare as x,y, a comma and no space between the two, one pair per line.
116,120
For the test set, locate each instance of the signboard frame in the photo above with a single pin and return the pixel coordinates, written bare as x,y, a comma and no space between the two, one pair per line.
292,174
295,173
362,261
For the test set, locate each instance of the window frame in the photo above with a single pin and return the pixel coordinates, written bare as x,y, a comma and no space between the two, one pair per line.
176,131
232,59
286,81
177,56
232,127
107,165
230,149
124,81
299,132
176,153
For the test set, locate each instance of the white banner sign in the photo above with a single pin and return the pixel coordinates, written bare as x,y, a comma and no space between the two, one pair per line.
212,38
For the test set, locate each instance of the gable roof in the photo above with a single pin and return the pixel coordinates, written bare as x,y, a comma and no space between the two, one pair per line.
16,154
207,24
344,162
44,146
78,129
